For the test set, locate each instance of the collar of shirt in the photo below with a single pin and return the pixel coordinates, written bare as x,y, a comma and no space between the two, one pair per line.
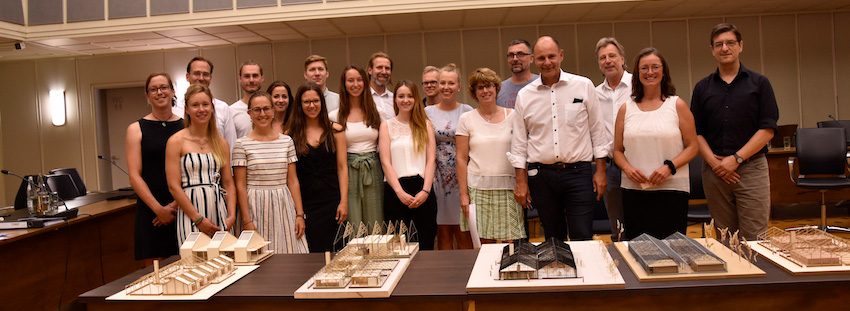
743,72
563,77
385,94
625,81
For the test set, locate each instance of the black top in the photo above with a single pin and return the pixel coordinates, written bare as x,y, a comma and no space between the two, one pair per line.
151,241
728,115
320,195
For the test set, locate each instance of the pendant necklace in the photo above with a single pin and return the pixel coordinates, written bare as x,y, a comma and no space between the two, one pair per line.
160,120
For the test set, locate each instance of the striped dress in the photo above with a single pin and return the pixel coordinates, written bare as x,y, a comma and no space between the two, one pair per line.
201,180
272,209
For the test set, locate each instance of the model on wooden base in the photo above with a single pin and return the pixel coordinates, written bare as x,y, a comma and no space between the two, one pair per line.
249,249
808,247
548,260
677,253
183,277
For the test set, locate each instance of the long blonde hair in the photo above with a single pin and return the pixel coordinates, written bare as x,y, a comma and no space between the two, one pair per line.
418,119
219,150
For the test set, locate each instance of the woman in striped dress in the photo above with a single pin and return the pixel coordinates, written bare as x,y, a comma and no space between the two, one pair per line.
197,168
264,169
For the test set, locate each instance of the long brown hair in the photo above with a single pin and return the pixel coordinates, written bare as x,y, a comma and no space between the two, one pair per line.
418,119
219,150
277,84
167,77
667,87
297,125
370,111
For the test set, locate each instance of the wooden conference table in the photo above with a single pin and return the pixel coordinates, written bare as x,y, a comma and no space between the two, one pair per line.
436,280
45,268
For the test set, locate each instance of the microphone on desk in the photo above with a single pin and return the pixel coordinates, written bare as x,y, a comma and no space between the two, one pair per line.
113,163
7,172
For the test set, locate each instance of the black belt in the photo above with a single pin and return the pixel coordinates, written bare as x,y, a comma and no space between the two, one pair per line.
557,165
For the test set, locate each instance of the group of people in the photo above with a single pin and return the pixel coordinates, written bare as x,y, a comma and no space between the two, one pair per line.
294,166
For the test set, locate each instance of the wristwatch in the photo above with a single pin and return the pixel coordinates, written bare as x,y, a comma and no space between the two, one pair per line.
738,158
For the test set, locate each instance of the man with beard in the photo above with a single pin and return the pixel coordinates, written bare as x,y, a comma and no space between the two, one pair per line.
429,86
200,71
519,60
380,74
316,71
250,79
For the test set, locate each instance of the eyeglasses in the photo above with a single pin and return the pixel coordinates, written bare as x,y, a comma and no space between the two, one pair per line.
719,44
429,83
482,87
153,90
199,74
653,68
517,55
258,110
311,102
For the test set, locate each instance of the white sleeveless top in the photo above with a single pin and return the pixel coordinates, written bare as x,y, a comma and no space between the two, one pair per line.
406,160
359,138
649,138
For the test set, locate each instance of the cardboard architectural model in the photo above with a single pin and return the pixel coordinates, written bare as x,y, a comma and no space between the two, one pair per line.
367,259
249,249
677,253
183,277
550,259
807,247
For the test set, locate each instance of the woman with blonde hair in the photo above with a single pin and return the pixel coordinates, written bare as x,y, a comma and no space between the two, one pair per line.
197,165
485,176
407,149
361,119
444,117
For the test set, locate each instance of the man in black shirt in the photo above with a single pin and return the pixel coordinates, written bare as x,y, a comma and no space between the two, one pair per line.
735,114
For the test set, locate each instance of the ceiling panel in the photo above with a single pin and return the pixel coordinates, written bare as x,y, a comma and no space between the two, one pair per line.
357,25
400,22
211,42
315,28
221,29
568,14
180,32
442,20
527,15
484,18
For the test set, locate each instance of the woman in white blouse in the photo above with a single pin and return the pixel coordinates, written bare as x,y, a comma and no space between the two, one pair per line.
485,176
654,140
407,148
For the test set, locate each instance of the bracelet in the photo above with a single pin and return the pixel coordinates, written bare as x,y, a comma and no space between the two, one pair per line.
197,222
299,215
671,166
247,222
426,191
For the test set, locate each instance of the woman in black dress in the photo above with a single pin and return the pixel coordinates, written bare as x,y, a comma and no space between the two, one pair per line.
322,166
155,234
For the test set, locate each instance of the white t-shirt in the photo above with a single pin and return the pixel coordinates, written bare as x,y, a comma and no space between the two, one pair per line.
488,168
241,118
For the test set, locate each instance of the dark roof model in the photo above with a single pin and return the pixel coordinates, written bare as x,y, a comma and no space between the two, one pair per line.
554,250
519,246
524,253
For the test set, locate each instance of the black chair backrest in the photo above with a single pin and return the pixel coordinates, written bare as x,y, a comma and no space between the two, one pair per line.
75,176
63,185
845,124
821,151
695,175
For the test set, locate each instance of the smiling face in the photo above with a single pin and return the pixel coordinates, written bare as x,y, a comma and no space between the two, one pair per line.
485,93
261,111
519,58
317,73
651,71
250,78
610,61
404,99
280,99
311,104
548,58
726,48
159,92
430,83
199,72
449,85
199,108
354,83
381,71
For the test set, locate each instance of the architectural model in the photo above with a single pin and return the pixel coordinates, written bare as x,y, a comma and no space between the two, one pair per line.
367,259
677,253
808,247
249,249
183,277
548,260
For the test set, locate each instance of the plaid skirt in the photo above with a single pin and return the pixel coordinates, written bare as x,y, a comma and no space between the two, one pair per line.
498,215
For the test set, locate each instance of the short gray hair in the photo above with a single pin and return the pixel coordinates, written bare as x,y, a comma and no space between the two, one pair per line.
611,40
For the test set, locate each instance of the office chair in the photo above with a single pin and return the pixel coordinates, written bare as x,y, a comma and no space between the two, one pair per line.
822,164
63,185
844,124
75,176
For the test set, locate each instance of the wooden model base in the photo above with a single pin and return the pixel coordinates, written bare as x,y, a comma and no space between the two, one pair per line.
308,291
256,261
594,267
793,267
203,294
736,266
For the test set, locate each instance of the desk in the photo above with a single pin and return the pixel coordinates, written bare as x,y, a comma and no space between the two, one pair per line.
436,280
45,268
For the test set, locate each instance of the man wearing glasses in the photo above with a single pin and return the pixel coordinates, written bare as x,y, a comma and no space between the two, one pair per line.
429,86
735,114
199,70
519,60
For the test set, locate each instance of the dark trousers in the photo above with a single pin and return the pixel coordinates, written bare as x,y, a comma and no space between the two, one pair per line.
423,217
565,200
657,213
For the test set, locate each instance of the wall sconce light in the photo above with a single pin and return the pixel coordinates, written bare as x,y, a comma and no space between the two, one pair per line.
57,107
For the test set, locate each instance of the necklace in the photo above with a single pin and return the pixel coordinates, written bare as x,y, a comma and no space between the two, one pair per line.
202,142
161,120
490,117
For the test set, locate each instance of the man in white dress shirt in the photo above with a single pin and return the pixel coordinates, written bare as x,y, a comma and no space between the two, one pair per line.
316,71
558,134
613,93
251,80
380,77
199,70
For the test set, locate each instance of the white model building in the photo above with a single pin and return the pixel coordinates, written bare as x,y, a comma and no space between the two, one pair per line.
221,244
807,247
195,245
251,248
183,277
